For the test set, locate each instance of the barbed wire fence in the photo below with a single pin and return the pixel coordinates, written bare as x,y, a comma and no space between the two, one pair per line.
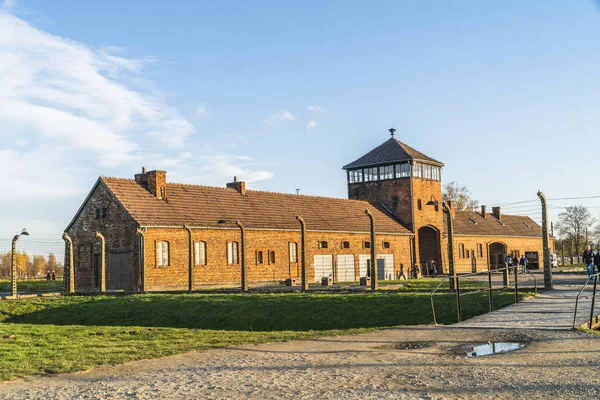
39,263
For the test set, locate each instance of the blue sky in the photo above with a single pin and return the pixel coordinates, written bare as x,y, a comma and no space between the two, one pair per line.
284,94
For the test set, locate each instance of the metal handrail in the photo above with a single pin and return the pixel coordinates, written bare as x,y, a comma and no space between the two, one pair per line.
579,294
489,289
431,297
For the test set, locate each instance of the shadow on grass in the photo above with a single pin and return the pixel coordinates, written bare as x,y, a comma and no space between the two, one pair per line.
248,312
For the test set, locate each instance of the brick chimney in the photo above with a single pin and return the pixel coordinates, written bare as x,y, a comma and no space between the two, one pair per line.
484,211
497,211
153,181
239,186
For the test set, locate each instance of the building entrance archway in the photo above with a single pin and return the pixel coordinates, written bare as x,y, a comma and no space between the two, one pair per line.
497,254
429,248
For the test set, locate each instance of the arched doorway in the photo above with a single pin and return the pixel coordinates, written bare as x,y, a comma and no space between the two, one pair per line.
429,247
497,254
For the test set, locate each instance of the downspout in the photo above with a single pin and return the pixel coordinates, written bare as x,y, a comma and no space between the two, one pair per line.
374,277
190,258
71,277
303,252
102,263
142,256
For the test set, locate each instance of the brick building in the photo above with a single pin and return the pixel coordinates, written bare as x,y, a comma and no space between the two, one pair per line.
158,235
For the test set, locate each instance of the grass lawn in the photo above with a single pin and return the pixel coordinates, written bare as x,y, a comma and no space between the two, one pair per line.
34,285
77,332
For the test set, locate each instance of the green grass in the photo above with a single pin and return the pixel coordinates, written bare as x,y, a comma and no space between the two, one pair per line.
428,284
34,285
60,334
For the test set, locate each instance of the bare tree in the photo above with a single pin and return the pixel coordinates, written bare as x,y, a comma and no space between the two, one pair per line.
460,196
574,224
51,262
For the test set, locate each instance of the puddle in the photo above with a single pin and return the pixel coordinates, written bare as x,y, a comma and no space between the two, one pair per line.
489,349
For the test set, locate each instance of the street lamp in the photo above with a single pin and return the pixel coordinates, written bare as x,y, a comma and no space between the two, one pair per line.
13,273
223,221
434,202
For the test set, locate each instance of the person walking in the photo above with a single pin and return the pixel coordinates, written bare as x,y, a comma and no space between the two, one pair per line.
508,261
523,262
597,260
588,260
401,272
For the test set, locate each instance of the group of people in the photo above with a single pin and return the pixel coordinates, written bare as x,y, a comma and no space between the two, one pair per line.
516,261
591,260
50,277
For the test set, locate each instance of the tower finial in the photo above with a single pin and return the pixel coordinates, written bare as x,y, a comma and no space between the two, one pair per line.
392,130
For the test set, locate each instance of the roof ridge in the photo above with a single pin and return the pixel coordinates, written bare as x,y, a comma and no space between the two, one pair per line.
249,190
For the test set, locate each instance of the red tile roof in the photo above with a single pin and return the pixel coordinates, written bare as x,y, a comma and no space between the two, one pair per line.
512,225
204,206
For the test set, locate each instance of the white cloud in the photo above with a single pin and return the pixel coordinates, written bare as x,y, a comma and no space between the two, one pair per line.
311,125
7,5
202,112
59,94
280,116
317,110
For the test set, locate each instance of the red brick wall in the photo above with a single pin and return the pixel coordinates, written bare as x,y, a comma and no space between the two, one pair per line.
394,193
175,276
119,231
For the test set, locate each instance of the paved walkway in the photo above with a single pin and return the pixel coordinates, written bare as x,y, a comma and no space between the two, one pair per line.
551,310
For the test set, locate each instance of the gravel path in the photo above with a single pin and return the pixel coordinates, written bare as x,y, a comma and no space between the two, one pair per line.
554,364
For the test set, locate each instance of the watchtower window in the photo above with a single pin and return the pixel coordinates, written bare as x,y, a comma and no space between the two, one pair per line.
402,170
370,174
386,172
356,176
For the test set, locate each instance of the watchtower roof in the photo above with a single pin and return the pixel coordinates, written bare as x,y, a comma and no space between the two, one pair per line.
391,151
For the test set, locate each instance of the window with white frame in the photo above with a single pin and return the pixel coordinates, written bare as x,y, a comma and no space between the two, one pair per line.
200,253
162,253
386,172
370,174
356,176
293,252
232,253
402,170
417,170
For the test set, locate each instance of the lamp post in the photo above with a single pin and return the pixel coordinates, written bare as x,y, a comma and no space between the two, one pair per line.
446,210
13,263
243,252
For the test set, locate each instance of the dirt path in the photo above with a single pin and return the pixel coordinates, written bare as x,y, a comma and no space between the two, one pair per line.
554,364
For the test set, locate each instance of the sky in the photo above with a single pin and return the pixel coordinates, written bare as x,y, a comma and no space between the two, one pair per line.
283,94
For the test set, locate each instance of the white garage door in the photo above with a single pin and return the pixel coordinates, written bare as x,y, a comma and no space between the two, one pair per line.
363,265
323,267
385,267
345,268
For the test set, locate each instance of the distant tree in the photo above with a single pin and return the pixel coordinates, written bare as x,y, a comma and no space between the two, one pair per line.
51,262
460,196
575,225
39,266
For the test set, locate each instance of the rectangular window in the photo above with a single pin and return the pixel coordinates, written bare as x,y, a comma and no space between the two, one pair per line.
480,250
200,253
402,170
419,204
293,252
162,253
104,212
386,172
232,253
468,254
367,245
97,213
417,170
259,257
370,174
356,176
271,257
